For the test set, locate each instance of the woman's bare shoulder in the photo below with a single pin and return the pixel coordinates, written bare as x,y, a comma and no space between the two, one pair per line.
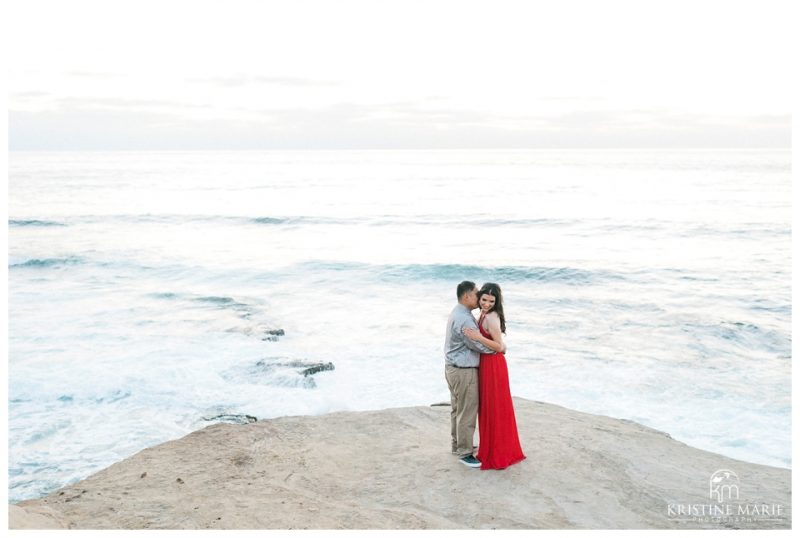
492,317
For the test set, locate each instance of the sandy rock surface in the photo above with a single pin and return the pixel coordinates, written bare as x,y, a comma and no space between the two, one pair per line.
392,469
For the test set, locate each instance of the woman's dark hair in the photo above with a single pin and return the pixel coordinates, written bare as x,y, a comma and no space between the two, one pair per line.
494,290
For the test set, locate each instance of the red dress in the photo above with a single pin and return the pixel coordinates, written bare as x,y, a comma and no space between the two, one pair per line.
499,441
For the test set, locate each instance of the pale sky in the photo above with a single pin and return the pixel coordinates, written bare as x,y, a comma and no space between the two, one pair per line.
403,74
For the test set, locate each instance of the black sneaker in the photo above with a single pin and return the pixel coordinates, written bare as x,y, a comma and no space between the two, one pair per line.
470,461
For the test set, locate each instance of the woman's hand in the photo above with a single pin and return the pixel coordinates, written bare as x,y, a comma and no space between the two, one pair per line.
472,334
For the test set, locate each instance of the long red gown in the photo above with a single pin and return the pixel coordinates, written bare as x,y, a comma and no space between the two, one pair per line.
499,441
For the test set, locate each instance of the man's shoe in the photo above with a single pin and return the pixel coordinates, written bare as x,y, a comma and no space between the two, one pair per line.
470,461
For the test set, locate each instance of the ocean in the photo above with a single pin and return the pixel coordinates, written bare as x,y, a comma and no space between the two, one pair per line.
154,293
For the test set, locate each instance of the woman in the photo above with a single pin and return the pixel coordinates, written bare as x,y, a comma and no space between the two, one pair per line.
499,442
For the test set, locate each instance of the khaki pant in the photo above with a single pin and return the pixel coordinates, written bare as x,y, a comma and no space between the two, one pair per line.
463,384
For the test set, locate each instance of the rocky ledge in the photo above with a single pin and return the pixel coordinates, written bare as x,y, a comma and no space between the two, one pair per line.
392,469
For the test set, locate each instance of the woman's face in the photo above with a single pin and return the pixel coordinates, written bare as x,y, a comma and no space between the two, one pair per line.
487,302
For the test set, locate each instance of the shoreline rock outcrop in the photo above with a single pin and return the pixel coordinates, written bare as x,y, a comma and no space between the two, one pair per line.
392,469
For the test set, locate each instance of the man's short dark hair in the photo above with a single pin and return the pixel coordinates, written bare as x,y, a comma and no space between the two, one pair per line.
463,288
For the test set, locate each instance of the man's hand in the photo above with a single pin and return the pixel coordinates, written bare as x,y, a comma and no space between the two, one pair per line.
472,334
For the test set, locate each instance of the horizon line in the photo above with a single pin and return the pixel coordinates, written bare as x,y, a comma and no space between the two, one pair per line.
467,148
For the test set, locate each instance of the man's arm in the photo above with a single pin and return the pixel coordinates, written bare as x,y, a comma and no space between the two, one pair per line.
477,346
499,346
472,344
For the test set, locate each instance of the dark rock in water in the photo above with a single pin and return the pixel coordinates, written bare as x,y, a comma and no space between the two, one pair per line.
279,371
234,419
272,335
306,368
319,367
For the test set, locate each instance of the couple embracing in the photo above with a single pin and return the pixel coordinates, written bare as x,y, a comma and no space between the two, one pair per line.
477,375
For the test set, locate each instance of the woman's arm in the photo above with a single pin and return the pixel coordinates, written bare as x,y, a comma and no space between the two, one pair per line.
493,323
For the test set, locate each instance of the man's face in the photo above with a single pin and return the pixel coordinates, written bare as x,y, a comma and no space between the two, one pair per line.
472,298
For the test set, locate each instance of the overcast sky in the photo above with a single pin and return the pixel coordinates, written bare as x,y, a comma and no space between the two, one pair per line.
404,74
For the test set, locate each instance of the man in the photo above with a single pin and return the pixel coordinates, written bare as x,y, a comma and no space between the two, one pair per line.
461,359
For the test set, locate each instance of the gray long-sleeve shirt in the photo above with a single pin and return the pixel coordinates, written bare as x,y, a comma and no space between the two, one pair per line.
458,349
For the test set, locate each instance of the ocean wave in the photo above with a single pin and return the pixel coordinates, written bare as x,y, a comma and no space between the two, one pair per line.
523,222
164,295
316,220
216,300
458,272
306,220
250,318
476,220
740,334
585,226
392,220
33,222
113,396
244,309
754,337
754,230
177,218
49,262
271,220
